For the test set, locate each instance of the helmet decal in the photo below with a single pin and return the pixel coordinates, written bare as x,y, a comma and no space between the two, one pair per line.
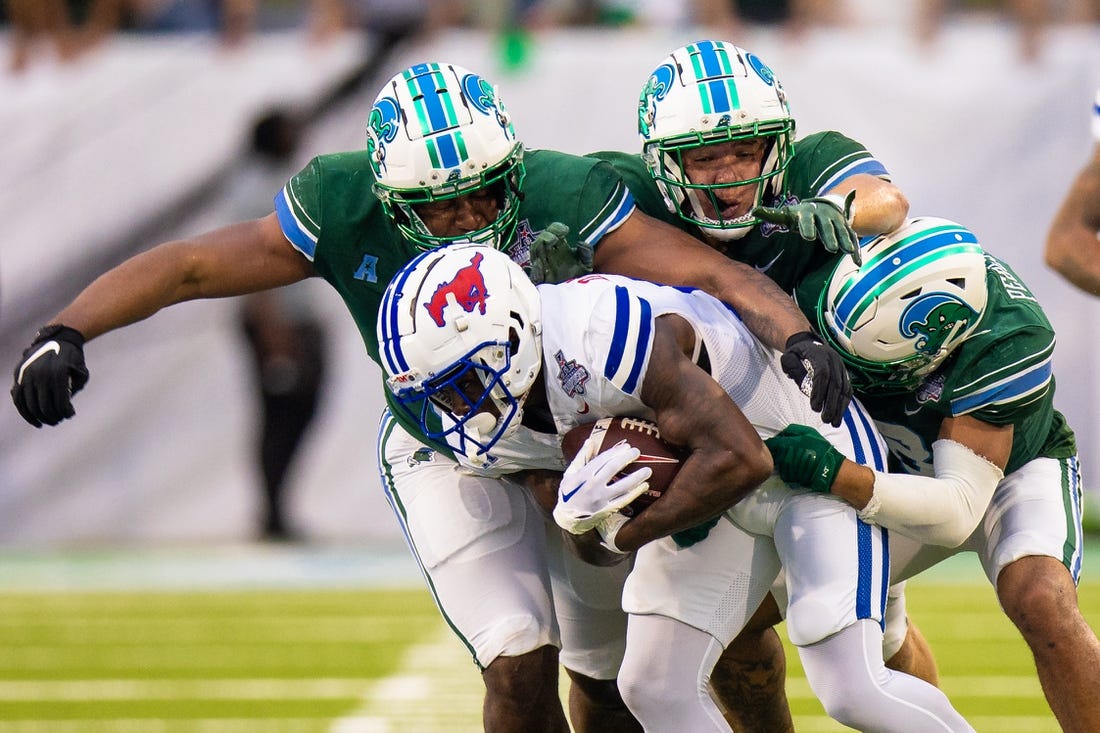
482,95
467,288
934,318
762,70
381,129
654,90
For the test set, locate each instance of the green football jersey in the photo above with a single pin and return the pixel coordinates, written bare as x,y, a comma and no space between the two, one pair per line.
820,162
328,211
1002,374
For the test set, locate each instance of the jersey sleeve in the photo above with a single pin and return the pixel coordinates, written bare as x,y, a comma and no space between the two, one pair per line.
610,203
830,158
298,208
1012,379
620,342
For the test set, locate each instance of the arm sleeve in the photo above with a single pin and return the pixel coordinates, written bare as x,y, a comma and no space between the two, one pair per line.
940,510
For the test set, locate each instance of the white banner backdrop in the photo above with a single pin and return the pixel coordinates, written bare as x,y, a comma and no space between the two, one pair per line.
160,449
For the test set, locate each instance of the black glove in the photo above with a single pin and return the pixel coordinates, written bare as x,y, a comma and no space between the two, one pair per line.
51,371
555,259
823,218
820,374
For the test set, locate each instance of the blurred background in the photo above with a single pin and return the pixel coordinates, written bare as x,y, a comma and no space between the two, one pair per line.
125,123
129,122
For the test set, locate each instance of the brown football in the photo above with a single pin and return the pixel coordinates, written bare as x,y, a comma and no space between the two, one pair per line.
663,458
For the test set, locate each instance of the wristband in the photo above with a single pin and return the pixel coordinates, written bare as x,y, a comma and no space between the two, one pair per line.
838,201
609,528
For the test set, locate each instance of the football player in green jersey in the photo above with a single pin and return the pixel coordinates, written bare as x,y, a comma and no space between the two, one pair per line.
1073,249
720,161
952,355
443,164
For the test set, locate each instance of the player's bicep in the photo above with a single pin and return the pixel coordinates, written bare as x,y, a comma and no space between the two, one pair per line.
991,442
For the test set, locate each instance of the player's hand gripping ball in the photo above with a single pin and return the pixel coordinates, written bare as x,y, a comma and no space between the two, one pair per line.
662,458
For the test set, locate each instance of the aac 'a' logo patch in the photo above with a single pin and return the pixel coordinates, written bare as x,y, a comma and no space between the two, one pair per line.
573,376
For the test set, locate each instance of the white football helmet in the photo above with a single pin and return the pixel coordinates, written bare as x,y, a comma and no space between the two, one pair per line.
460,339
713,92
919,293
436,132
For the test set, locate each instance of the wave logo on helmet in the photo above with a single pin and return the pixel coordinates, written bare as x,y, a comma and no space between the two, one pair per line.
762,70
382,125
656,89
467,288
933,319
482,95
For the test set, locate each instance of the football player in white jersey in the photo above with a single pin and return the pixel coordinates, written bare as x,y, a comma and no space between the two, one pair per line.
464,335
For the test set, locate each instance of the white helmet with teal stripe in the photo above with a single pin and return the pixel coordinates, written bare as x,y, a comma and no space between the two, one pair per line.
439,131
712,92
919,293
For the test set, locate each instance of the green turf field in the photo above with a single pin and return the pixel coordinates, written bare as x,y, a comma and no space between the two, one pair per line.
368,661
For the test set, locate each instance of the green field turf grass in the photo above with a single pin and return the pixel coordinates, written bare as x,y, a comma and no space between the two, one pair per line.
351,661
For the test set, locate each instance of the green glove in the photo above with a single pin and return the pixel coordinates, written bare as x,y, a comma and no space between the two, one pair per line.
824,218
554,259
803,457
698,533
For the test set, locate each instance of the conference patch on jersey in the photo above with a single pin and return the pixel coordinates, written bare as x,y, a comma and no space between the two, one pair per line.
573,376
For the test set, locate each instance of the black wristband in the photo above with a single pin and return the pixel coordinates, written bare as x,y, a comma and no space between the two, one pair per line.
56,331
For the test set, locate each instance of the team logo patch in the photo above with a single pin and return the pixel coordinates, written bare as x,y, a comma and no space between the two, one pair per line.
420,455
934,318
572,375
467,287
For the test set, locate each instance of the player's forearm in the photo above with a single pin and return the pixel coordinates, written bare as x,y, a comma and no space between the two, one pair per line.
133,291
943,509
705,487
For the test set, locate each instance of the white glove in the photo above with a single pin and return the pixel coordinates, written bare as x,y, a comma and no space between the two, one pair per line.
587,493
1096,118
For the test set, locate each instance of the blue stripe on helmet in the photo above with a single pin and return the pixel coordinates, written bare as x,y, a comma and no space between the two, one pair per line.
437,115
898,259
448,152
719,96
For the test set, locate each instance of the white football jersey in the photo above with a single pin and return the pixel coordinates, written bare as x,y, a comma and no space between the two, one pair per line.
597,340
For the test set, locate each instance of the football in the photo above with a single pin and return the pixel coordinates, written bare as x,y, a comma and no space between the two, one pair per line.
663,458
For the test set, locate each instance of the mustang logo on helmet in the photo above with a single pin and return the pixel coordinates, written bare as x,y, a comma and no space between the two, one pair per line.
467,287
